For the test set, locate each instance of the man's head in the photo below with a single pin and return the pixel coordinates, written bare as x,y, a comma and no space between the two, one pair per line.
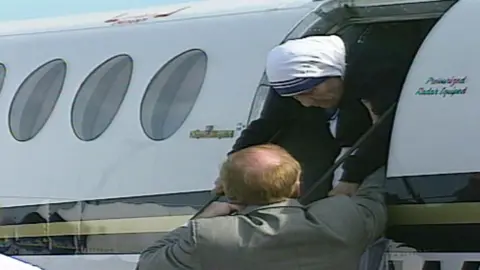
260,175
310,70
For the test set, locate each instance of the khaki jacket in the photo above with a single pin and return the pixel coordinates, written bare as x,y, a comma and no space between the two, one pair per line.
330,234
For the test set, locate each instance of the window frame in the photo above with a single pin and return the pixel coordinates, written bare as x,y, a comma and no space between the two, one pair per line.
2,78
81,90
158,73
64,66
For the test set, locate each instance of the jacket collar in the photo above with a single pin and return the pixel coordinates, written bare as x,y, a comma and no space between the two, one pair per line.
275,207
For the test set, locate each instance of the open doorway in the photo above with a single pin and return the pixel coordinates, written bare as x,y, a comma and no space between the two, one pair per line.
379,55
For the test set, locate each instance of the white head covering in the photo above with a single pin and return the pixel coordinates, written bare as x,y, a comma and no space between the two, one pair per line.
301,64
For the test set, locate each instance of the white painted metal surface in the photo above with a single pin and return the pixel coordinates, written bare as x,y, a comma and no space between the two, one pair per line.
57,166
182,11
123,161
435,128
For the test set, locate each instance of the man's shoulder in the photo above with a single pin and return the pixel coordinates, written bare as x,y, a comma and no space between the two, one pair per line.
232,222
331,205
338,199
224,229
214,223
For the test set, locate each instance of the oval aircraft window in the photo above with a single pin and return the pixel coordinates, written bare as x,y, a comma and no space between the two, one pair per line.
172,93
35,99
3,72
100,96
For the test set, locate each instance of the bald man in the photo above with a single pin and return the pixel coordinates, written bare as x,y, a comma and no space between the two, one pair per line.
264,227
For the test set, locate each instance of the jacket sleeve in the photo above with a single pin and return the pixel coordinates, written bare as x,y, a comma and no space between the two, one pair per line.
172,252
358,220
277,110
371,207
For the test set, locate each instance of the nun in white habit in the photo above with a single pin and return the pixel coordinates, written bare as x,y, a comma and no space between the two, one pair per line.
312,72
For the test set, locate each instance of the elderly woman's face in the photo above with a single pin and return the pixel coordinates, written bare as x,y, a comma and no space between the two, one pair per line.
325,95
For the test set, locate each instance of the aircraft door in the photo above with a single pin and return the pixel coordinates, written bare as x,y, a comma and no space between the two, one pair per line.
434,161
438,105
